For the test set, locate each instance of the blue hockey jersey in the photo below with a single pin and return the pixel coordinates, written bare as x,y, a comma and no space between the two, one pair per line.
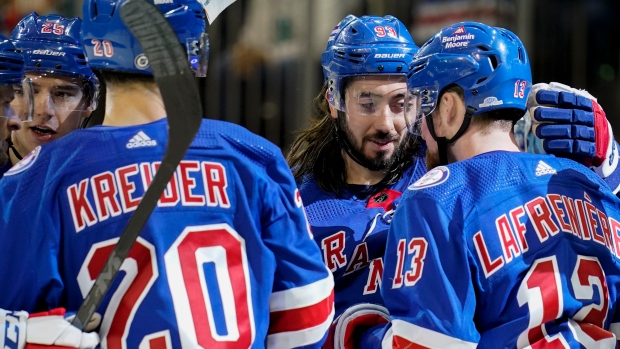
351,233
504,250
226,259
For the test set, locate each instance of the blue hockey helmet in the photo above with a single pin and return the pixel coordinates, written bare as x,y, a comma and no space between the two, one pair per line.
11,81
51,45
11,63
109,45
368,45
490,64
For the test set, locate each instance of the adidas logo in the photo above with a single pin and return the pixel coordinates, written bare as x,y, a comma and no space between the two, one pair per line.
543,169
141,140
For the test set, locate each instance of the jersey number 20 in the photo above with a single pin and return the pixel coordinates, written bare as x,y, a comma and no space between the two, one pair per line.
208,278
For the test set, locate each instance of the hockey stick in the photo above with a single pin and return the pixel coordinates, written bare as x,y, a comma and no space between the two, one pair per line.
179,91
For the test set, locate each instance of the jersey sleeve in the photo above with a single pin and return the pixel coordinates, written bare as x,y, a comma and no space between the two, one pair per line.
30,243
301,305
426,283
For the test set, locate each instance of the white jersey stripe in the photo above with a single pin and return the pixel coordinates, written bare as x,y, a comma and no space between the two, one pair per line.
303,296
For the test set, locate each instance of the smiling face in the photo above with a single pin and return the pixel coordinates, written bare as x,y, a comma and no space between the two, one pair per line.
374,121
59,107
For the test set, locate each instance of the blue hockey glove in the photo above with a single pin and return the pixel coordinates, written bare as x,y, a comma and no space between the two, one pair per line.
571,123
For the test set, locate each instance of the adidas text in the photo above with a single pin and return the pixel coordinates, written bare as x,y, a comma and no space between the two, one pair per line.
138,144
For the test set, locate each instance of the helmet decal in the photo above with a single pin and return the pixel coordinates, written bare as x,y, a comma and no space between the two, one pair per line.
490,64
103,27
52,45
368,45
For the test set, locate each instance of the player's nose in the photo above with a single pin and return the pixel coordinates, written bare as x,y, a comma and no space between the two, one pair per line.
44,106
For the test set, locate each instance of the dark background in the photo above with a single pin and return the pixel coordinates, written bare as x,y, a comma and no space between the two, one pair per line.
264,67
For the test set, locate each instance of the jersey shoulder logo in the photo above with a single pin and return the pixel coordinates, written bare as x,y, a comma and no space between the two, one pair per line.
141,139
24,163
432,178
544,169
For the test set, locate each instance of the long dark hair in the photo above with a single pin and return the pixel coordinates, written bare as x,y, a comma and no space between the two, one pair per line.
317,150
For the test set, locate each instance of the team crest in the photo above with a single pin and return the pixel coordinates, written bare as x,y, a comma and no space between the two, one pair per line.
25,163
432,178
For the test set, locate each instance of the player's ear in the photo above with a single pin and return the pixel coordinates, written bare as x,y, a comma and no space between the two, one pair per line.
87,111
449,108
332,110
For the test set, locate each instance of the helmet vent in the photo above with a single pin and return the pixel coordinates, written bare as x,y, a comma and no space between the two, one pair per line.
419,67
520,50
483,48
481,80
355,58
493,61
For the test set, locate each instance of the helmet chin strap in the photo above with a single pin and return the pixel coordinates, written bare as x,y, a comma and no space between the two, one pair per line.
442,142
12,148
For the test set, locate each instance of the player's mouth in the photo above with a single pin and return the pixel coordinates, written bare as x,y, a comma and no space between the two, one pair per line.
42,133
382,144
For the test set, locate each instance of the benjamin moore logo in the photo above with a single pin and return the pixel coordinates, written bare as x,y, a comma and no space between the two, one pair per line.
460,38
460,30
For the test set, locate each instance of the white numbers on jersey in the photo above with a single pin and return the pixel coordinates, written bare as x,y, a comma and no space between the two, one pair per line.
417,249
211,261
541,290
208,277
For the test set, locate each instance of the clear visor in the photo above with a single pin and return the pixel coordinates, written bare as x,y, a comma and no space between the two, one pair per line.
56,100
198,53
17,101
57,94
377,95
425,98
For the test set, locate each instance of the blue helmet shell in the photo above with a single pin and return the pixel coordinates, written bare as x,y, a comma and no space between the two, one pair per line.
109,45
51,45
368,45
11,63
490,64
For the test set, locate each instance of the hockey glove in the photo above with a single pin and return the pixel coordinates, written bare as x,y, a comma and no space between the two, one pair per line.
571,123
346,331
47,330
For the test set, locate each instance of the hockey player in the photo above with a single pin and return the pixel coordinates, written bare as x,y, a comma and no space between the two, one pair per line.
226,258
65,88
357,157
20,330
499,248
353,165
11,76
